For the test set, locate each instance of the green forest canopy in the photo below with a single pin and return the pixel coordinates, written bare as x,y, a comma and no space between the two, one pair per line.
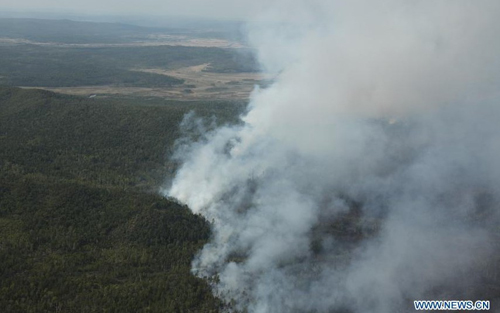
81,226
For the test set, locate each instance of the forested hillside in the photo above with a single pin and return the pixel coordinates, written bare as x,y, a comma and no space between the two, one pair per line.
81,227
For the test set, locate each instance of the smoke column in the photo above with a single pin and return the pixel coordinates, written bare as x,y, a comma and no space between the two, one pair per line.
368,175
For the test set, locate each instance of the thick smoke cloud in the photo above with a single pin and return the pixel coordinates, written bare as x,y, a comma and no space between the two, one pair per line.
368,175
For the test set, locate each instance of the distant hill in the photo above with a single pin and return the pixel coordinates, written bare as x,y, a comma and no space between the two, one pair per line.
67,31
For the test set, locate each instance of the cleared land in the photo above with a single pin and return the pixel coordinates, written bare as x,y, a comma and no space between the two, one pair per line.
164,40
105,59
198,85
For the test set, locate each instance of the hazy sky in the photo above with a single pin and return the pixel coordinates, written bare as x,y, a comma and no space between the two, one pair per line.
228,9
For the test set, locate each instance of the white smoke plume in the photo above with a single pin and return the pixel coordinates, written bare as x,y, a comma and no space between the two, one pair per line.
368,175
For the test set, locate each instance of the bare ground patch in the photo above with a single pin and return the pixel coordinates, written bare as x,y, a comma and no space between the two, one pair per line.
161,41
201,84
198,85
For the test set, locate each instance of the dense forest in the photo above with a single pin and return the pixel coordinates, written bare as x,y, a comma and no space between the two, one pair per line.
82,228
50,66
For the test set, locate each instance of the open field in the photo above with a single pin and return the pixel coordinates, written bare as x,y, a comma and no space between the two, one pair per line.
198,85
151,41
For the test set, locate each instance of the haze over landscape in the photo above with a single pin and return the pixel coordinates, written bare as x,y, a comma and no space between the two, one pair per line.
249,156
225,9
